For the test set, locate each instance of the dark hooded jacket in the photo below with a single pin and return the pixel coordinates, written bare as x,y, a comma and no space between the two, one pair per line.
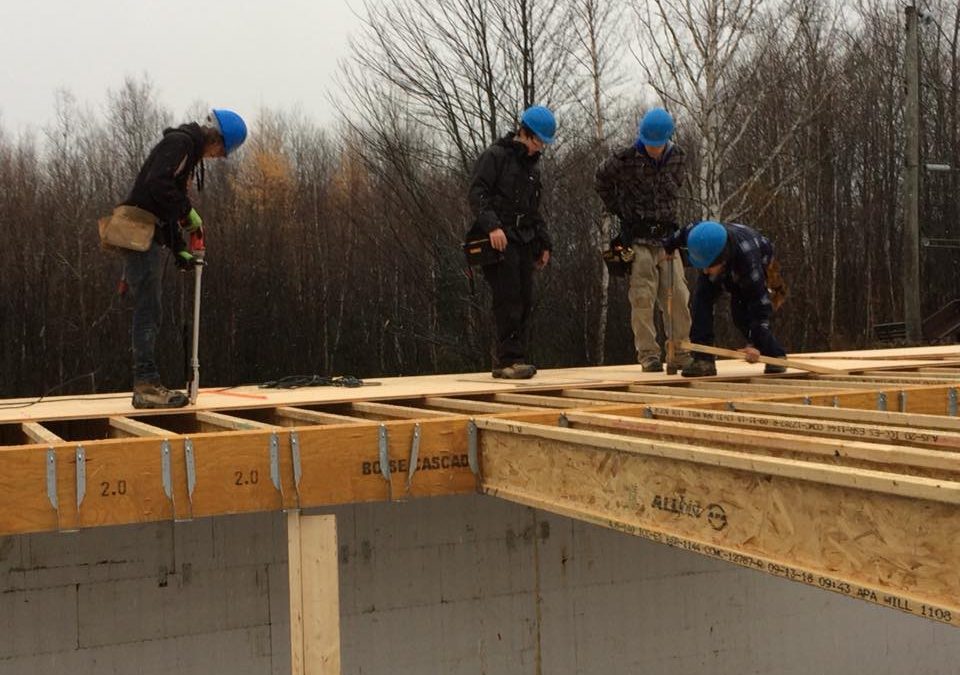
161,185
505,193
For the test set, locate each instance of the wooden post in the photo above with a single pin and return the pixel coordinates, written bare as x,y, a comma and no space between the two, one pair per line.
314,594
911,182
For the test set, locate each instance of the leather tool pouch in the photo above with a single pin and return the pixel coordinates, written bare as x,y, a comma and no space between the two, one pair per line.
479,252
127,227
618,260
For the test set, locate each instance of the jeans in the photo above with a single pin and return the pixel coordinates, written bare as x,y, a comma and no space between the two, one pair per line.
705,295
143,274
511,283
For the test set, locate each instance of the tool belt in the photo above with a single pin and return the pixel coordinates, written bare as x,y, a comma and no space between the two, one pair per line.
776,286
480,252
618,260
647,230
127,227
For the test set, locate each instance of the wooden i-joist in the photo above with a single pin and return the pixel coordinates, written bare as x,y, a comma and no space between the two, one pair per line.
848,480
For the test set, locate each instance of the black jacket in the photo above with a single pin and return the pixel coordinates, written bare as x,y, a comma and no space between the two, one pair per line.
161,185
641,191
505,192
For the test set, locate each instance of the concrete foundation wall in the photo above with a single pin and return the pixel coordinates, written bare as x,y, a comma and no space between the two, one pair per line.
442,586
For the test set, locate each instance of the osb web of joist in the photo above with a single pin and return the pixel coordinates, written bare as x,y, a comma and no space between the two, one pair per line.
846,481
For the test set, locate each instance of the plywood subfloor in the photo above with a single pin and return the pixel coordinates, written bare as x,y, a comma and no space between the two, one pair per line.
458,384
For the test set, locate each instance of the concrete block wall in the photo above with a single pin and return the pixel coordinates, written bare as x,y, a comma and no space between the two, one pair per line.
451,586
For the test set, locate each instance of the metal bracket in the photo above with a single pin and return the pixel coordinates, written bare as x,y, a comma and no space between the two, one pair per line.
165,475
472,453
275,461
81,475
297,469
648,412
731,407
52,478
902,401
385,458
807,400
836,401
191,467
384,453
563,421
414,454
952,401
882,401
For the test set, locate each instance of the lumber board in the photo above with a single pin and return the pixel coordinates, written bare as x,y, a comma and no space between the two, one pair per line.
837,384
864,543
341,465
315,416
922,399
37,433
544,401
416,387
295,576
945,491
466,405
731,353
24,504
314,594
123,487
689,392
394,411
614,396
892,377
816,575
915,421
234,474
894,458
814,426
214,421
133,428
757,385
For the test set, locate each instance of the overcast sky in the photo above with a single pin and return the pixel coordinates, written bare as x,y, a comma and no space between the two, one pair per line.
239,54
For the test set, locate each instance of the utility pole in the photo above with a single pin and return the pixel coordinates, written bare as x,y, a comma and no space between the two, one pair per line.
911,184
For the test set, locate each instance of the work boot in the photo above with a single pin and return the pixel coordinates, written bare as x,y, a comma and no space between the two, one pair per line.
155,395
517,371
681,361
771,369
651,364
700,368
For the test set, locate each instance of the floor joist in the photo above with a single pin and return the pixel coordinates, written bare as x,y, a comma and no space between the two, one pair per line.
845,481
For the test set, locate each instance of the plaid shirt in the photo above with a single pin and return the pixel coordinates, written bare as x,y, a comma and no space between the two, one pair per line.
642,191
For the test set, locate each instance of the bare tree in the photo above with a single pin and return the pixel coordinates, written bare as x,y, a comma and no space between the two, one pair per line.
703,58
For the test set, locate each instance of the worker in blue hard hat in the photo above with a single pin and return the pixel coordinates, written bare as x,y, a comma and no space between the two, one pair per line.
504,197
640,184
160,190
740,260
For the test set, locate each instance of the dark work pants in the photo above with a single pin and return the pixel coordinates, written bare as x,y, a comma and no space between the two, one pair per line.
143,274
705,295
511,283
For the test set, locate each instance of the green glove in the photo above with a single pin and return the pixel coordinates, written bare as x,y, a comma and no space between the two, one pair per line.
185,260
194,221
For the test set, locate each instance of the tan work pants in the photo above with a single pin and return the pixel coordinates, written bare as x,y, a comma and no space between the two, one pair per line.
650,285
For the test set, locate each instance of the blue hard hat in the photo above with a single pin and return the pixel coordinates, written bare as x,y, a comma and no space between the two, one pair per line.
540,121
232,128
705,243
656,128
